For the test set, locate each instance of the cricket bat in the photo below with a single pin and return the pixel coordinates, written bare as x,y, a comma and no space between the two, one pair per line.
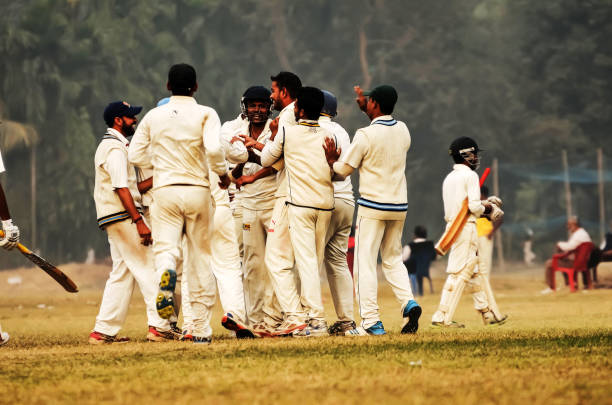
50,269
452,232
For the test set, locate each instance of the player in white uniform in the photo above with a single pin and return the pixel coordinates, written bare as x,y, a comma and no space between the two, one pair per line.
10,238
225,262
279,258
379,152
459,184
339,230
257,195
118,202
310,200
181,140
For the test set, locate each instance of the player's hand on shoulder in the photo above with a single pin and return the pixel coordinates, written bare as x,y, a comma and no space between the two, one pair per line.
10,239
144,232
332,154
224,182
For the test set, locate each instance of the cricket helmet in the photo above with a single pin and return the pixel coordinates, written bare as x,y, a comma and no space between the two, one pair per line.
330,104
465,149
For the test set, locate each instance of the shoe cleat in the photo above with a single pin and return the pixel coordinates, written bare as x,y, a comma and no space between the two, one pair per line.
411,313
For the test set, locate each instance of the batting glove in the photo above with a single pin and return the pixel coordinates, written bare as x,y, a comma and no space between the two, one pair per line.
495,200
496,213
11,235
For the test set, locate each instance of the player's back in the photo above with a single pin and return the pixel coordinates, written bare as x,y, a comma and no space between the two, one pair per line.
309,178
177,130
382,175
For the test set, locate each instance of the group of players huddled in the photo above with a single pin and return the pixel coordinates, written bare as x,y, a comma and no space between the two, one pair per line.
255,207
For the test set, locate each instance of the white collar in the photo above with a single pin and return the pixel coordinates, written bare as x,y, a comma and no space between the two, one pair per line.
324,118
461,166
291,106
118,135
419,240
382,118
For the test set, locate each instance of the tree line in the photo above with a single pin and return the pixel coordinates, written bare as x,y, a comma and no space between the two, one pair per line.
525,79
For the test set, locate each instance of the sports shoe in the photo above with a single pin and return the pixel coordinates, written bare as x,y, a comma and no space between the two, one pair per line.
242,332
263,330
495,321
165,298
289,326
156,335
4,338
97,338
342,328
452,325
201,340
411,313
376,330
315,328
547,291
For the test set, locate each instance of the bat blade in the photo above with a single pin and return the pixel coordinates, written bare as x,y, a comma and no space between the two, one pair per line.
50,269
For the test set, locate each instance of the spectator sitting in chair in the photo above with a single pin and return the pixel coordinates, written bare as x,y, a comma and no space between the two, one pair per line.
417,257
577,236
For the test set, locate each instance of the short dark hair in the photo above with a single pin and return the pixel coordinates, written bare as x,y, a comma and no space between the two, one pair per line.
289,81
311,100
182,79
420,231
484,190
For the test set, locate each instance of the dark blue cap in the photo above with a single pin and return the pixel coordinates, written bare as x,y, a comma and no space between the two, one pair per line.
119,109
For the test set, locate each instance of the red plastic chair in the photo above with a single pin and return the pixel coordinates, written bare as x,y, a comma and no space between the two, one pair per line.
582,254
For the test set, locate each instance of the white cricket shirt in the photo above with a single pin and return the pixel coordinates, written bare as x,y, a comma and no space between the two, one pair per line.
344,188
460,183
184,141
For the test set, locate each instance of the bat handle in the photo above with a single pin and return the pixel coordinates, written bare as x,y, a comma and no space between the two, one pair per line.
484,176
21,248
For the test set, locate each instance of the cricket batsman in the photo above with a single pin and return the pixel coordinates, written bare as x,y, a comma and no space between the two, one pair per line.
461,183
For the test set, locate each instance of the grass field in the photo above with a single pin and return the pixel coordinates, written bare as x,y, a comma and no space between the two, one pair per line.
554,350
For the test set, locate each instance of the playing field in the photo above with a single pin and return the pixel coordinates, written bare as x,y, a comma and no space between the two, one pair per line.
555,349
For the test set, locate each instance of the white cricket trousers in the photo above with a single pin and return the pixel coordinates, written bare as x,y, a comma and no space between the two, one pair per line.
307,229
336,266
462,269
132,264
280,260
178,210
373,235
225,268
237,214
262,305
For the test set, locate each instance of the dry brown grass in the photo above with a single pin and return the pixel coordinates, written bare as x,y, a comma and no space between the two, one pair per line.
555,349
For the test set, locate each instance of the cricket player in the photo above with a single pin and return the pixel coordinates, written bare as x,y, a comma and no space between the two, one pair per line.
379,152
309,202
339,230
459,184
118,202
279,258
485,230
10,239
257,195
180,141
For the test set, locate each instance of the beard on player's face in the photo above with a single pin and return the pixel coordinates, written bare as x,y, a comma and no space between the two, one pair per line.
128,129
